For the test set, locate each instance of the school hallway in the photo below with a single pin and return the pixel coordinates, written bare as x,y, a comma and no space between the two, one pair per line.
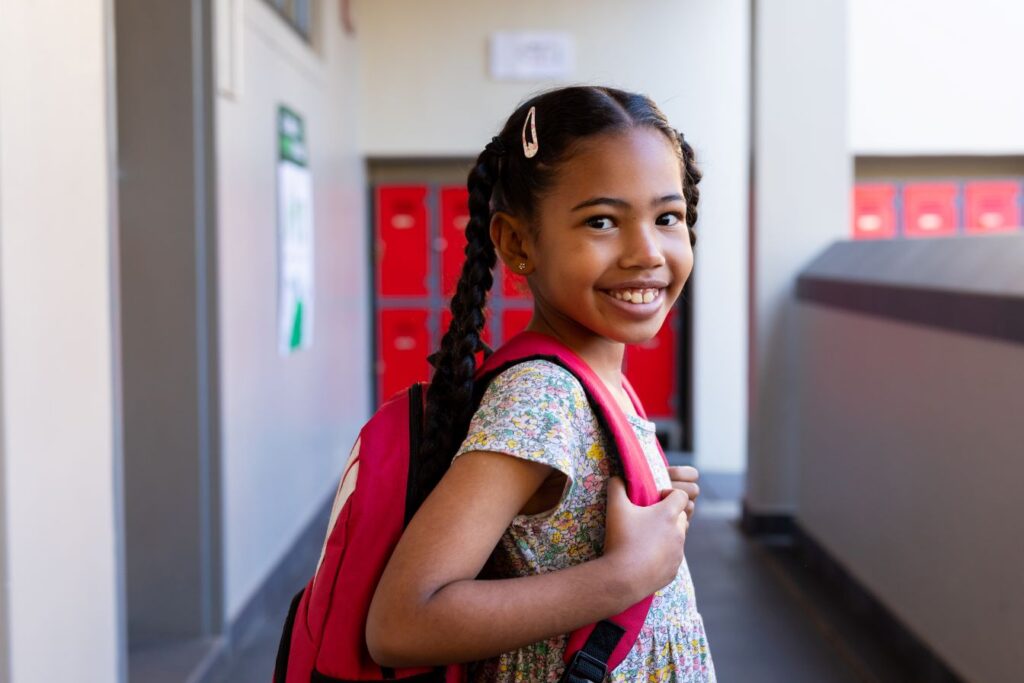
230,229
768,619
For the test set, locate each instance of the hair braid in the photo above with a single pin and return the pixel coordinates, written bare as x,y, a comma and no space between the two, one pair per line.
690,190
450,393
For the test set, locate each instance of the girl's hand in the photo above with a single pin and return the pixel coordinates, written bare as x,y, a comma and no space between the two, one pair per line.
684,478
646,543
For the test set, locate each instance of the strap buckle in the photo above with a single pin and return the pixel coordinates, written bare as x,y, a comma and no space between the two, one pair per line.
584,668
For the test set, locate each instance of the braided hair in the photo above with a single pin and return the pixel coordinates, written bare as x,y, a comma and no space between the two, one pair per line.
503,178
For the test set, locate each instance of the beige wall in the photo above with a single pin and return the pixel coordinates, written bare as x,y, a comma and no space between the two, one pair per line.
426,92
61,496
936,77
287,423
803,173
910,477
425,65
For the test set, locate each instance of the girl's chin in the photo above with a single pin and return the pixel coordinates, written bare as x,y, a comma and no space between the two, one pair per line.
634,333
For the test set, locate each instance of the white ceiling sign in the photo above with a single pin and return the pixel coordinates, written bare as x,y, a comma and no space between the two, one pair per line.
532,55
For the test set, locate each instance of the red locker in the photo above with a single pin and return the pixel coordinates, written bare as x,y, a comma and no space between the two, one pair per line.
454,216
874,211
404,346
992,206
929,209
651,369
402,253
514,321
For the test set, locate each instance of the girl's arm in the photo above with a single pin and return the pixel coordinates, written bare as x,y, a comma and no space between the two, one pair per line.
429,608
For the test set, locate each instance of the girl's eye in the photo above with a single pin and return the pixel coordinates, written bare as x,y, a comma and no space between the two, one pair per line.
600,222
673,219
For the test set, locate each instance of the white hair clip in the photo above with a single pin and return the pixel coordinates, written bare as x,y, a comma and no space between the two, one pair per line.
530,147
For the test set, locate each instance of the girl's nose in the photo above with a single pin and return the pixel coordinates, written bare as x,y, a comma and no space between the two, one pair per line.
642,248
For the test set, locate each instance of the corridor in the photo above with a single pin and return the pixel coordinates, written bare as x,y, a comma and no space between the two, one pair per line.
769,619
231,229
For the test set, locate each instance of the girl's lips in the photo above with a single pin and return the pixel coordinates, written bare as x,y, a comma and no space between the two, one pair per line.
637,311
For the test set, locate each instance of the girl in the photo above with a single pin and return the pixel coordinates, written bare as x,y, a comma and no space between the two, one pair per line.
528,535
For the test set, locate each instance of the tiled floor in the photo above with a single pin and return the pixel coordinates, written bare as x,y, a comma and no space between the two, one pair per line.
767,620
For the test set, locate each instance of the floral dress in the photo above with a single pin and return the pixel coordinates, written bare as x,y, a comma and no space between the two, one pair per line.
538,411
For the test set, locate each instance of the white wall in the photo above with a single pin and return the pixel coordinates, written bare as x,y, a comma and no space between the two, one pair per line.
803,174
287,423
426,92
911,477
61,586
936,77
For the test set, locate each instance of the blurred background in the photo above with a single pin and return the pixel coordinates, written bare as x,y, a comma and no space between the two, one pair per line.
229,229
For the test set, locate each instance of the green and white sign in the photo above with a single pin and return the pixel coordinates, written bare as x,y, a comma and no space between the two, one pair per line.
295,234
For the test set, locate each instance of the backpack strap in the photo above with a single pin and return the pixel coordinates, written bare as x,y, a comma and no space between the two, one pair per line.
590,663
597,648
640,411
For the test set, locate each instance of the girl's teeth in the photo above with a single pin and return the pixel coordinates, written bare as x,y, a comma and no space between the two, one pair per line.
636,296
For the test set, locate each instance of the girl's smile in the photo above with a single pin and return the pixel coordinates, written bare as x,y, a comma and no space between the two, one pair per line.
639,302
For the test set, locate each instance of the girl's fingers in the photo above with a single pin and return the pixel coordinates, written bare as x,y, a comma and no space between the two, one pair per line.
689,488
683,473
675,500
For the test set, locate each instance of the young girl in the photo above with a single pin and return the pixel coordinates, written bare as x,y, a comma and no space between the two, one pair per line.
528,535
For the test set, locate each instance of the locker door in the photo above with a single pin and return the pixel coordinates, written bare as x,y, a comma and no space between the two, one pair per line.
874,211
992,206
402,356
514,321
454,216
929,209
402,254
651,369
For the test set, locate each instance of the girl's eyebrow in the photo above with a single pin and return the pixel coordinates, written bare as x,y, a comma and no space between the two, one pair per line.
614,201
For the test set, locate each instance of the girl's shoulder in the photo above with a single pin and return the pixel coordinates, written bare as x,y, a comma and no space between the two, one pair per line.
537,382
533,410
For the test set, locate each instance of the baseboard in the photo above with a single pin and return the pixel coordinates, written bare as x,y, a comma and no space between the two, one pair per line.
919,658
759,524
269,603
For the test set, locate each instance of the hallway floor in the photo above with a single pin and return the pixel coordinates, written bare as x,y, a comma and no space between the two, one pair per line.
767,619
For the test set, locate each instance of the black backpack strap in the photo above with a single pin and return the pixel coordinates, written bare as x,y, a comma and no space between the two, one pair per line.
285,645
415,435
590,663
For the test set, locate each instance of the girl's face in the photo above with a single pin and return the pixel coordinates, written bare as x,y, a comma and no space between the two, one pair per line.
611,252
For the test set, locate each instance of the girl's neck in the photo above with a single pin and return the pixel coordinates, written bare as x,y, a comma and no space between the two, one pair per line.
604,356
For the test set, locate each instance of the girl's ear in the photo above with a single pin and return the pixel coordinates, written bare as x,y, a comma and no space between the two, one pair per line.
511,240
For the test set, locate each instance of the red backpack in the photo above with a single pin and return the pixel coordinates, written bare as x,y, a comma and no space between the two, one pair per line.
324,641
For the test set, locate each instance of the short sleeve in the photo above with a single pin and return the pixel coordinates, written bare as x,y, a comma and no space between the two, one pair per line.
529,411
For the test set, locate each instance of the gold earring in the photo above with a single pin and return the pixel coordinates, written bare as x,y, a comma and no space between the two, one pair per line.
522,266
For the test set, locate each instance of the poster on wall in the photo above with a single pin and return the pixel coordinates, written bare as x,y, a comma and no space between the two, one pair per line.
295,234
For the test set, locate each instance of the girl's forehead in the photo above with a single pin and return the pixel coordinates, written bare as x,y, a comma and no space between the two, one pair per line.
638,159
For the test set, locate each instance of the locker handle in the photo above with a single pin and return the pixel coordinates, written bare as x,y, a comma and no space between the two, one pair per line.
405,342
402,221
929,221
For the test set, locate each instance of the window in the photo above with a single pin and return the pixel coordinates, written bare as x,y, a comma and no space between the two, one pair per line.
298,15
